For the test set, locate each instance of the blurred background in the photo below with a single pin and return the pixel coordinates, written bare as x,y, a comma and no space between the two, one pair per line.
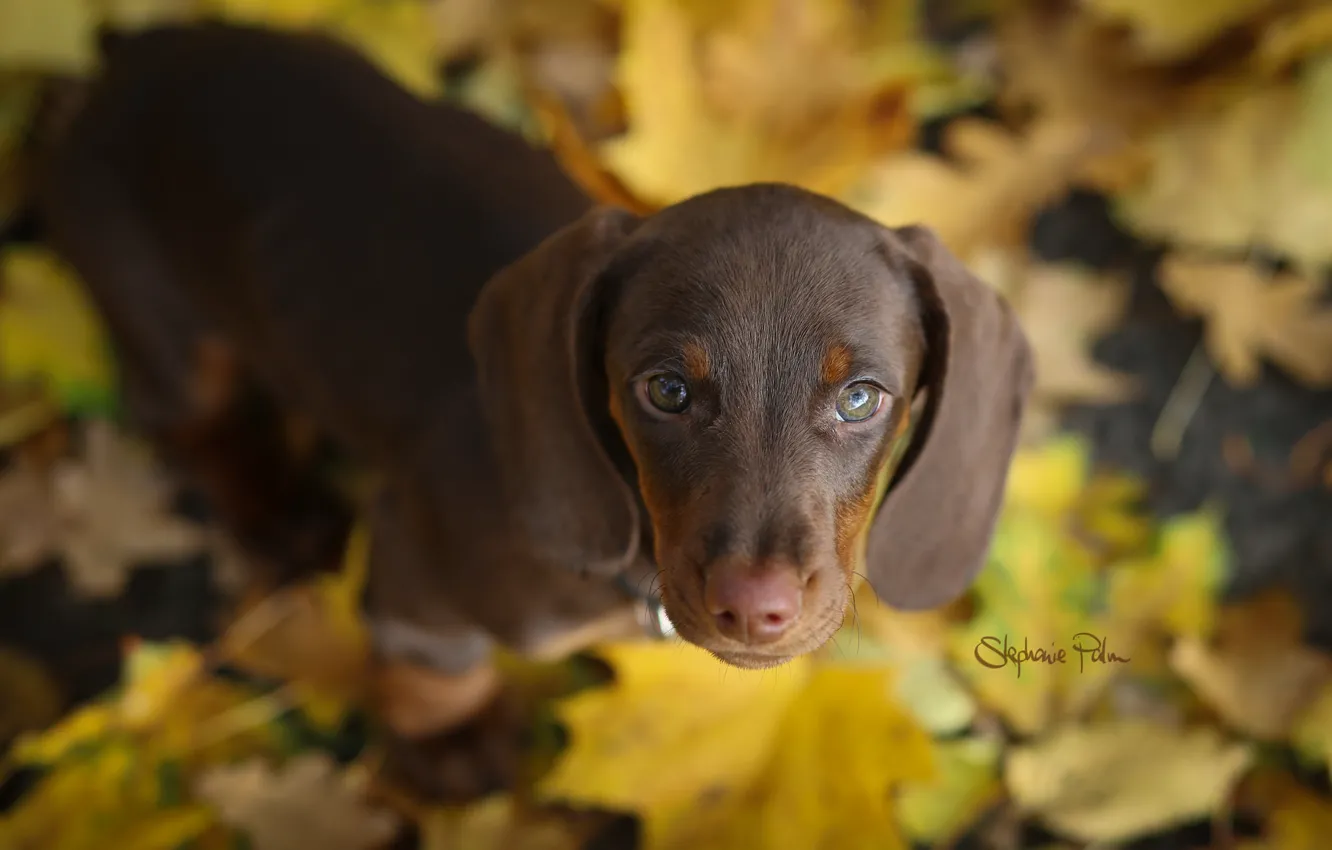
1150,185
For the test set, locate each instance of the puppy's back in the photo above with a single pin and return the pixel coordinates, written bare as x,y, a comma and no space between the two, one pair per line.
334,226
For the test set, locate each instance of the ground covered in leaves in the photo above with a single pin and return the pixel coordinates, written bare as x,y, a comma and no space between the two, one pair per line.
1148,183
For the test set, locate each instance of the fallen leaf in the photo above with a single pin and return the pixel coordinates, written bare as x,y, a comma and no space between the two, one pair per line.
840,753
671,704
1250,317
112,770
311,636
1244,171
1173,30
764,92
1311,734
1174,586
50,332
915,645
1296,818
1037,594
986,198
30,524
498,823
1293,36
1256,671
1064,309
967,784
32,698
1063,64
307,802
55,36
1125,778
113,508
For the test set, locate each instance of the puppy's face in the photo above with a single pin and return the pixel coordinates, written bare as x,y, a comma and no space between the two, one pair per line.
762,352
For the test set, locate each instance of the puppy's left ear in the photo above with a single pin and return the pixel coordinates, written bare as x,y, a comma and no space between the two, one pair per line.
933,530
531,333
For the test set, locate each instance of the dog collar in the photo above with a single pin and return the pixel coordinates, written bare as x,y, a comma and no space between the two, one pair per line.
649,608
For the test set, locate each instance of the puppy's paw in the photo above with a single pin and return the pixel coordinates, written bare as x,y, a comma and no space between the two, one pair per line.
482,756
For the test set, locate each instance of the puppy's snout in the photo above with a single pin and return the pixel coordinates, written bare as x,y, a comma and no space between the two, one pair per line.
754,606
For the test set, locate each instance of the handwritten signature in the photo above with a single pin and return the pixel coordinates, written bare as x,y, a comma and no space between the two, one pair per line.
995,653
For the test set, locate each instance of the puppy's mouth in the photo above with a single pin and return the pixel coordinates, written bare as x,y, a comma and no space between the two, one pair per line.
684,602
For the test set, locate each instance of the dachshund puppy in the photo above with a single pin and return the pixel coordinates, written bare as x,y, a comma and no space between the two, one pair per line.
564,400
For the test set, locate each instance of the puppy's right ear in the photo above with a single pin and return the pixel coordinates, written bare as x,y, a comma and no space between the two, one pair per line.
530,337
933,531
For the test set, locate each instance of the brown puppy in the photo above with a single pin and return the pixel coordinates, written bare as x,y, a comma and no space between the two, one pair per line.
557,396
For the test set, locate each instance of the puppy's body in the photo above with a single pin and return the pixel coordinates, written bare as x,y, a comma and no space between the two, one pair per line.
714,391
277,195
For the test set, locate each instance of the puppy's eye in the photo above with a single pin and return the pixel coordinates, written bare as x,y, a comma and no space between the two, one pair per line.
858,402
668,392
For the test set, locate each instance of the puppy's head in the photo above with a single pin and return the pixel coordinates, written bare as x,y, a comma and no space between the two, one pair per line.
749,359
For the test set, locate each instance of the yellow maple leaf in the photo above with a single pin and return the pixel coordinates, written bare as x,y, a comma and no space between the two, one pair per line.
1036,596
50,331
1250,317
1125,778
112,799
675,704
1166,31
984,199
1173,587
841,751
967,784
802,756
765,92
1256,672
312,636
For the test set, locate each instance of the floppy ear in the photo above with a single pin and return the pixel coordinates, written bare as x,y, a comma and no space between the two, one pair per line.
530,336
933,530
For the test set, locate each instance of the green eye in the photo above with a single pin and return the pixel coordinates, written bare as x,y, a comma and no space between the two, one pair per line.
668,392
858,402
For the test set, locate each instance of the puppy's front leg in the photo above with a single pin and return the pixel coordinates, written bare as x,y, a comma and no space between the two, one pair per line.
452,730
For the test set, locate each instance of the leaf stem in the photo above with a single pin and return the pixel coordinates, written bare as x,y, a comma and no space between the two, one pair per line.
1182,405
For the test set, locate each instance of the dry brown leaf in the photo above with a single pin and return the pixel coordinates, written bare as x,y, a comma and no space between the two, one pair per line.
1129,777
1176,29
1064,308
988,197
1249,170
1290,38
500,823
1250,317
1256,672
1066,65
113,513
30,528
306,803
